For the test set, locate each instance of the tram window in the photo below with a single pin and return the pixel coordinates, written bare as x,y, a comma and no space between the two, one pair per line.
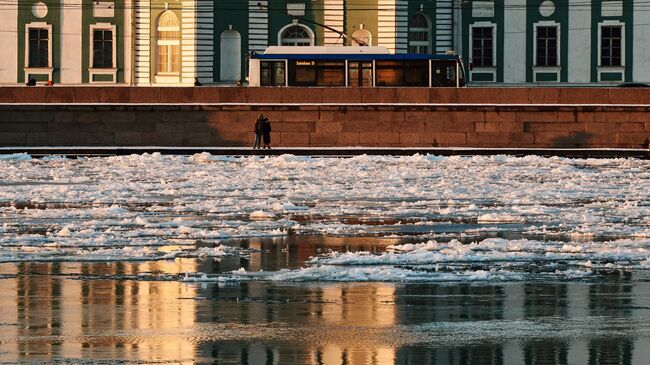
400,73
389,73
416,73
359,73
443,74
272,73
317,73
330,73
304,73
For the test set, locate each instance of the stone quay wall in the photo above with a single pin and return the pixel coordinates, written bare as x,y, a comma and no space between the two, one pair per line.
326,117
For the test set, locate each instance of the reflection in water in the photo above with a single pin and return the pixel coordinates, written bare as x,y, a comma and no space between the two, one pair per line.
48,312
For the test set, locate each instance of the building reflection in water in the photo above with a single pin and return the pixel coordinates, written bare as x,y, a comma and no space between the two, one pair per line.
63,318
612,299
45,313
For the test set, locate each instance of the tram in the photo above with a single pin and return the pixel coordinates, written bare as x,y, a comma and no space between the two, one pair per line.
362,66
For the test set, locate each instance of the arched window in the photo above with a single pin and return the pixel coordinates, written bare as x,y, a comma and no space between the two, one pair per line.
363,35
296,35
169,44
419,34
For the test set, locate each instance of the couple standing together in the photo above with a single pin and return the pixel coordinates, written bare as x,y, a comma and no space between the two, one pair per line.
262,130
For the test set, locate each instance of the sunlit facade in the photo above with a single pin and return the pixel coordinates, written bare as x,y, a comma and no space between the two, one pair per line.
157,42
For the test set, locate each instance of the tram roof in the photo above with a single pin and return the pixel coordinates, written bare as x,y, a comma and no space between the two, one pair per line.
348,56
342,52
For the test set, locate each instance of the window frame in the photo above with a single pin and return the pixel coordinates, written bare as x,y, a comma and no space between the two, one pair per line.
165,76
611,24
310,33
600,69
92,71
546,47
558,51
494,43
412,43
38,70
483,69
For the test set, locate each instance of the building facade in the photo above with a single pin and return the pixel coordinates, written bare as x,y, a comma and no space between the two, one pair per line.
175,42
562,41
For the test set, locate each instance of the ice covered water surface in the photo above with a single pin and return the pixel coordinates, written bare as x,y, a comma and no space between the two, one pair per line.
489,217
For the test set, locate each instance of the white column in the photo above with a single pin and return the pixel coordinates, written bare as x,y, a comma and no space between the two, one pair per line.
640,36
71,42
258,26
188,42
514,41
580,42
205,41
333,17
142,45
444,26
9,42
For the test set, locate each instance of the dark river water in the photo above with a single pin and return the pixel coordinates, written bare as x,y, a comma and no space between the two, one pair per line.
142,313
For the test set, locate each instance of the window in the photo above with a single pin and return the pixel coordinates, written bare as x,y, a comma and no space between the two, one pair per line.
169,44
482,47
272,73
419,34
360,73
38,47
317,73
102,48
296,35
610,46
546,46
402,73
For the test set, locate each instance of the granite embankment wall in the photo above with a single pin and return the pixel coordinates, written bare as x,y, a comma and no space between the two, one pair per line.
317,117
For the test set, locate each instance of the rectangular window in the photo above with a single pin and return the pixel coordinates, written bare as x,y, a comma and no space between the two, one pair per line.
102,49
546,46
610,46
482,45
38,47
272,73
360,73
317,73
402,73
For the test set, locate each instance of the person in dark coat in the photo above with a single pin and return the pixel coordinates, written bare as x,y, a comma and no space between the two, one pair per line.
259,131
267,133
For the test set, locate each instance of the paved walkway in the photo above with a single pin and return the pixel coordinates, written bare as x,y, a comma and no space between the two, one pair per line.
75,151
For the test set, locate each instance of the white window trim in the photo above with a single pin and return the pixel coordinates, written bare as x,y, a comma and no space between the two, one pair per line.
611,69
309,31
547,69
102,71
428,29
483,69
38,70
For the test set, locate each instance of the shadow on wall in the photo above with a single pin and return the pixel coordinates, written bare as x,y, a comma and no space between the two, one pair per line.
573,140
116,126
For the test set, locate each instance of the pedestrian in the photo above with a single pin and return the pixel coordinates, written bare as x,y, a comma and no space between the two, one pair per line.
259,131
267,133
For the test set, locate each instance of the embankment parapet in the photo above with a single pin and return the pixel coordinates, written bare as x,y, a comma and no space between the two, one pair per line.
326,117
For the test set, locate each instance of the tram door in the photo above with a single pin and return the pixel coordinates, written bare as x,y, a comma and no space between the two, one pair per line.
360,73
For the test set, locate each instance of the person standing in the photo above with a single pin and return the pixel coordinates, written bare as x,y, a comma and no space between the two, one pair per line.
259,131
267,133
